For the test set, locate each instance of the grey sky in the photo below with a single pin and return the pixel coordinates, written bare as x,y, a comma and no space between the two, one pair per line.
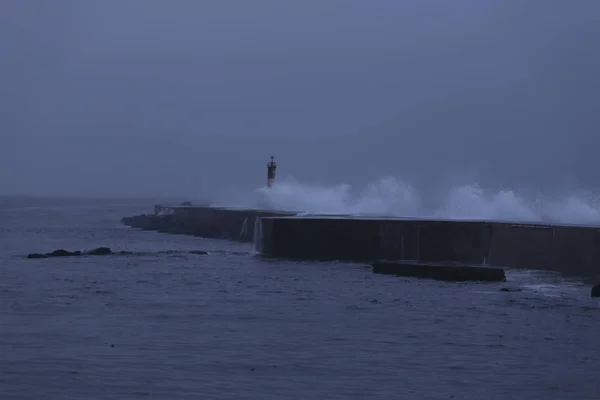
186,97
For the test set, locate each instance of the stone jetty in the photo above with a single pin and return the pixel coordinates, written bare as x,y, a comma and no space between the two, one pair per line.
210,222
569,249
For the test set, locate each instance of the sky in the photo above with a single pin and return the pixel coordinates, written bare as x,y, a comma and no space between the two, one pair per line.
191,98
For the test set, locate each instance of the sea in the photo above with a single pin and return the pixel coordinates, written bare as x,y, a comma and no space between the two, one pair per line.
160,322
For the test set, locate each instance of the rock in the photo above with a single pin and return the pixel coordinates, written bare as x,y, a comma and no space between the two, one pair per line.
55,253
100,251
440,271
60,253
199,252
36,255
596,291
505,289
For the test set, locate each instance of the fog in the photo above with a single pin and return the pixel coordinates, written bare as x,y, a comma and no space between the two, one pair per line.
190,98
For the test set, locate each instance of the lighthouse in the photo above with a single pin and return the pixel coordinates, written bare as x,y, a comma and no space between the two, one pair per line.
271,167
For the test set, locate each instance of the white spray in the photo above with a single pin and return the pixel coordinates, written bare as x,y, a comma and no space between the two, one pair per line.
393,197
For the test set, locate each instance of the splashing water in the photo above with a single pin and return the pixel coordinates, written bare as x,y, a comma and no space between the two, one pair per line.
384,197
392,197
257,237
470,202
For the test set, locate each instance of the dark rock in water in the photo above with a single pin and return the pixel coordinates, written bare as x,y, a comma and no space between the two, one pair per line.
55,253
60,253
440,271
36,255
199,252
596,291
100,251
506,289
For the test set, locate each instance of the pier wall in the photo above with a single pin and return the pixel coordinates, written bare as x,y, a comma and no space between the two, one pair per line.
366,239
571,250
209,222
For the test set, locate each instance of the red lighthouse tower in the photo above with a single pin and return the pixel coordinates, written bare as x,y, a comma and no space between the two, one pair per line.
271,167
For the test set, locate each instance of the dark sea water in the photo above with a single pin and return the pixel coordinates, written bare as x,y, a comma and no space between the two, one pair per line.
166,324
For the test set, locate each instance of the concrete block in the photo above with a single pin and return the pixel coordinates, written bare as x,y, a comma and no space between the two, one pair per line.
440,271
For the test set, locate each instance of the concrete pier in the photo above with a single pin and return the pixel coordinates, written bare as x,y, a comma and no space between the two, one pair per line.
568,249
204,221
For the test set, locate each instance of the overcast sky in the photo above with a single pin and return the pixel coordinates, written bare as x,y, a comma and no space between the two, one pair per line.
188,97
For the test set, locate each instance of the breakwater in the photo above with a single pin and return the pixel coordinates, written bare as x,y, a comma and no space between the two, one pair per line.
204,221
568,249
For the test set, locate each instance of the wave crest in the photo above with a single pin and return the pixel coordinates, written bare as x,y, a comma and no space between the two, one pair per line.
395,197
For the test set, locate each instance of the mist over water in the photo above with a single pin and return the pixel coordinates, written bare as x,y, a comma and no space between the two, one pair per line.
391,196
